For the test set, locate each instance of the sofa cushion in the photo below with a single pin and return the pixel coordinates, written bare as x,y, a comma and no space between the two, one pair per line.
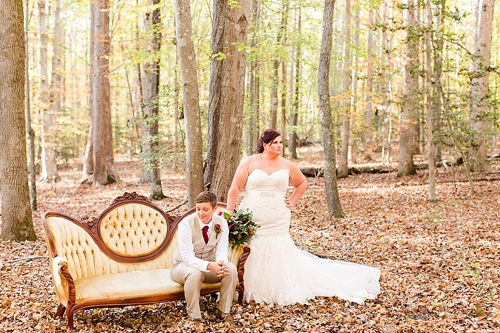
128,285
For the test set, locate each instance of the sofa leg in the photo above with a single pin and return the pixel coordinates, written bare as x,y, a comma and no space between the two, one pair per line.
60,310
69,315
239,290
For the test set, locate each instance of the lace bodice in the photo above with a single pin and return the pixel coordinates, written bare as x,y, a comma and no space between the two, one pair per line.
277,181
265,197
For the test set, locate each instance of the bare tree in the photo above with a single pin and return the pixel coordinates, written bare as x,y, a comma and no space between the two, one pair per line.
17,221
431,151
273,114
47,114
49,125
225,109
294,114
283,28
190,96
29,128
353,139
280,39
332,193
346,105
385,112
437,104
410,103
479,104
368,136
149,105
102,140
175,106
252,128
88,161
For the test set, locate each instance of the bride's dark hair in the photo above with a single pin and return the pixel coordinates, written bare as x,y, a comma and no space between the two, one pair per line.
267,136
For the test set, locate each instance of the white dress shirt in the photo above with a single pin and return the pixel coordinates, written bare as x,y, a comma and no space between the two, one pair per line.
185,240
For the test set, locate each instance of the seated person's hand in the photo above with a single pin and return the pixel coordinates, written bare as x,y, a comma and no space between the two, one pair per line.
219,268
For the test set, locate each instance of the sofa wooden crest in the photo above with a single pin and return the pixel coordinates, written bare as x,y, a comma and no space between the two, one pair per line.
122,257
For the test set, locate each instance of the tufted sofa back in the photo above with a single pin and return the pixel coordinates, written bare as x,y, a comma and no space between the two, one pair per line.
133,229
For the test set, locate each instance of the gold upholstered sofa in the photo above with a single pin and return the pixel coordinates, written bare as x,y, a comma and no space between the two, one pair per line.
122,257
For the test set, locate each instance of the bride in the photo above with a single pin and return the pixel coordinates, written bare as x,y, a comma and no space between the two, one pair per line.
277,272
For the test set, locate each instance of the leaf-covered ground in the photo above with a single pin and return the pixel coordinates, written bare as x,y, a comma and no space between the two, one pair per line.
440,261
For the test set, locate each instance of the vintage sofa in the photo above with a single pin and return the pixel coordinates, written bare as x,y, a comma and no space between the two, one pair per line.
123,257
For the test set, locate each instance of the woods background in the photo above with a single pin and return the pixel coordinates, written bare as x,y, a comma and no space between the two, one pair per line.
370,62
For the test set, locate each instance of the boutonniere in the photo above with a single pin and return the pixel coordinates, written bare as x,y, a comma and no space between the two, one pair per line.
217,229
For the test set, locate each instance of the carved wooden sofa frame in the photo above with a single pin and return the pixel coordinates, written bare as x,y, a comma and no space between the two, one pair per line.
122,257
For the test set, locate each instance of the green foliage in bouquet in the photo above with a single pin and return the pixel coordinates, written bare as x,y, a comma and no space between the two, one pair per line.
241,227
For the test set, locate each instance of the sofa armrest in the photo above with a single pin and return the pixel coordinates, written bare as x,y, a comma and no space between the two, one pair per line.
234,253
63,281
238,256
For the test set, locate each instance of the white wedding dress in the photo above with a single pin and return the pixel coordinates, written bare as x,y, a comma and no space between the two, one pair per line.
277,272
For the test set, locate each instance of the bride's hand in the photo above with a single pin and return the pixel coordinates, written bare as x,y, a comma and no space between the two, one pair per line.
289,203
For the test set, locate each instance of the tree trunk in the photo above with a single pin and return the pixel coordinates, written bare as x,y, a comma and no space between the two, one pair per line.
431,151
294,140
253,129
102,139
189,77
227,77
140,116
353,147
88,161
17,221
418,130
332,194
217,72
368,136
346,107
176,111
273,116
385,112
49,164
437,106
150,103
283,28
47,161
255,115
29,128
479,104
280,38
406,166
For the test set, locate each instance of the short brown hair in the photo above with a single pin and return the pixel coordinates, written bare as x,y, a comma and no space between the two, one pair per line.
207,196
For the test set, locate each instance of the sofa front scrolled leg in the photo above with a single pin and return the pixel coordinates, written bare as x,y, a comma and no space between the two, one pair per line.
60,310
69,315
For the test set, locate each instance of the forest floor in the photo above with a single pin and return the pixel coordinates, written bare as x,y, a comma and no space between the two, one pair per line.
440,261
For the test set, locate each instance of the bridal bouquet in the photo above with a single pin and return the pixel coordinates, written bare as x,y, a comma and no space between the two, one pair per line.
241,227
